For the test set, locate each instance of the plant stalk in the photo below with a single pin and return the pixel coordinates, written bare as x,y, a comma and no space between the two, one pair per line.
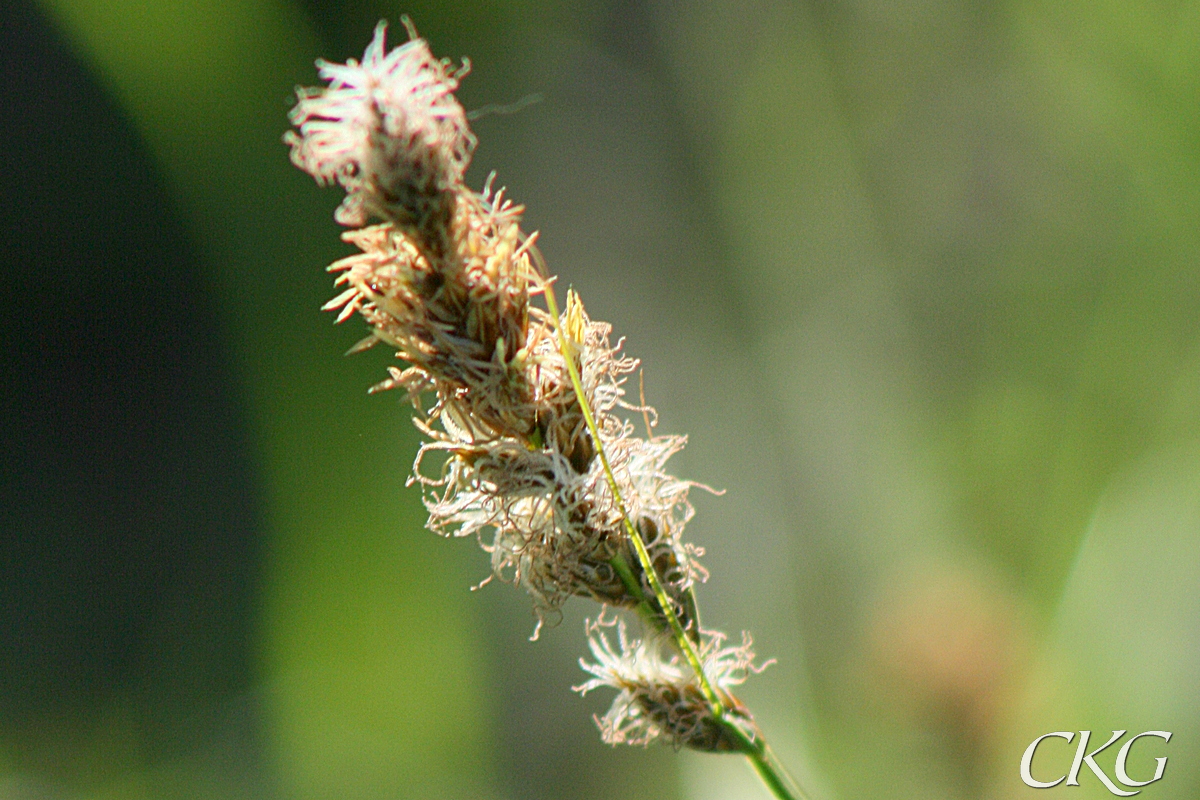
761,757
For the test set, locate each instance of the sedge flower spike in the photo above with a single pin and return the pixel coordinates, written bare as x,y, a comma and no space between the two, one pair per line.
659,697
526,448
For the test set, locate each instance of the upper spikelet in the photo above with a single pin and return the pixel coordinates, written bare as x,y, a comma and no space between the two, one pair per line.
392,133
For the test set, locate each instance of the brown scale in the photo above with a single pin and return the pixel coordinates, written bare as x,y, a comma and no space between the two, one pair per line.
599,579
694,727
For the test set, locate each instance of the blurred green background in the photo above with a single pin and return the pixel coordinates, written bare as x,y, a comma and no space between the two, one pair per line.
921,279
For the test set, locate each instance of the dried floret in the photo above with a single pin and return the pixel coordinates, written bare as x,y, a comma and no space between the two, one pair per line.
392,133
659,696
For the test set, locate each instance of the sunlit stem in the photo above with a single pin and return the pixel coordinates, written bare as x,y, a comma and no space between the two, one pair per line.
660,594
772,773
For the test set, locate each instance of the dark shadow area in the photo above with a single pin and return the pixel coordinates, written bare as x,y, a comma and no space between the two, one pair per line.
130,532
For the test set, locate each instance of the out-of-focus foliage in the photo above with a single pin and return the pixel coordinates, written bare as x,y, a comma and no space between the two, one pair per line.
919,279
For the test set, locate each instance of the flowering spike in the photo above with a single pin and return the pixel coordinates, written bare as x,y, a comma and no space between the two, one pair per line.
525,448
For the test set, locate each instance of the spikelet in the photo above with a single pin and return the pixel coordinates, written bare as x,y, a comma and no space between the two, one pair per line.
392,133
659,697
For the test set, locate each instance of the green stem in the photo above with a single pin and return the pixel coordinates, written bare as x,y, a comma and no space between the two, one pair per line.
772,773
660,593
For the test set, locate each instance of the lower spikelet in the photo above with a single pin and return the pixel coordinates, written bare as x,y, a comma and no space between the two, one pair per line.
659,697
